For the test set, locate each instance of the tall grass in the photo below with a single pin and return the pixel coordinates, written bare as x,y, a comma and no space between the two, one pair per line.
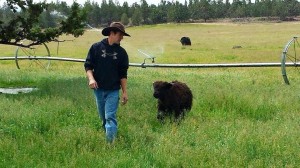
241,117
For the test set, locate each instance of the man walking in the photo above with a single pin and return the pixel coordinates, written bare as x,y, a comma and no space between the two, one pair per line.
106,68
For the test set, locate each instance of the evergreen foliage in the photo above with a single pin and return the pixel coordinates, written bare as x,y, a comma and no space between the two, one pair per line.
32,21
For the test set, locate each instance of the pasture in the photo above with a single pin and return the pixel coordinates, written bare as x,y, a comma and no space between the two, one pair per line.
241,117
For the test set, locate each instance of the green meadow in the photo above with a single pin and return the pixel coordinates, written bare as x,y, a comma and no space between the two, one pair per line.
241,117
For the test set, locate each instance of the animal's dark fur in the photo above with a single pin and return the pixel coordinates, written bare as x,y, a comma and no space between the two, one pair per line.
173,98
185,41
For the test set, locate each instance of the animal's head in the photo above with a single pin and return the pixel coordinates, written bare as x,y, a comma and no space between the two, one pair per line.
160,88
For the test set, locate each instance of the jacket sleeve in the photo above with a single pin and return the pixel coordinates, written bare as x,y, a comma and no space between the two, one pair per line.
124,66
89,63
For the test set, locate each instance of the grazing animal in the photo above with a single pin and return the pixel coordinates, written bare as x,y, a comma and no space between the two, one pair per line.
237,46
173,98
185,41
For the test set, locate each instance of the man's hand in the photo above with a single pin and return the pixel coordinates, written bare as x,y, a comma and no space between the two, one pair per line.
124,99
93,84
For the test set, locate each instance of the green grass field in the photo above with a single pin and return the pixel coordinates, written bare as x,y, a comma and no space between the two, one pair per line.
241,117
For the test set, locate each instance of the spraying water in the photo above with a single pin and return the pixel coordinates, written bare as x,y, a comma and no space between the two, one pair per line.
151,54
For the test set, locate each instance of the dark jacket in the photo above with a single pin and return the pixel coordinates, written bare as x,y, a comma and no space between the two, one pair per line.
109,64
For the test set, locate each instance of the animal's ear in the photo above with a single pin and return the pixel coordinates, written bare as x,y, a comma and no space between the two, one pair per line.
169,85
154,84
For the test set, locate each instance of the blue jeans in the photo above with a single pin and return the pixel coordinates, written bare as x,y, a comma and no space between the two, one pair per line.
107,102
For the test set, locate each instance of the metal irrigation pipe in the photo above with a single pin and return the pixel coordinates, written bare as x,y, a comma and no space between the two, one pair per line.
229,65
42,58
144,65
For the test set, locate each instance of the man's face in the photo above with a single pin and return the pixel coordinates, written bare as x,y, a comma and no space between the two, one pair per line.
116,37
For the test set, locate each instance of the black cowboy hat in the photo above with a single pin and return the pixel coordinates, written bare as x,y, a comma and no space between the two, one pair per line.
117,26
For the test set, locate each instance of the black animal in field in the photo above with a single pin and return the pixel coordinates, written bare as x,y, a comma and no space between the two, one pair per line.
174,99
185,41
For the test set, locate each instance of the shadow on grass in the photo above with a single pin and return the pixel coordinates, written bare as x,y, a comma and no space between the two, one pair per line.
69,99
74,89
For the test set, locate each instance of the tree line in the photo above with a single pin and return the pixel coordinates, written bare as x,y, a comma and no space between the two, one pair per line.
100,14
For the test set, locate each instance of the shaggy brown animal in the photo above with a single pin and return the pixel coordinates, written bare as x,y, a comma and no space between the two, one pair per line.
173,98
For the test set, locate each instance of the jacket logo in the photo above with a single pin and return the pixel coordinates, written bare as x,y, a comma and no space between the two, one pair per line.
114,54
